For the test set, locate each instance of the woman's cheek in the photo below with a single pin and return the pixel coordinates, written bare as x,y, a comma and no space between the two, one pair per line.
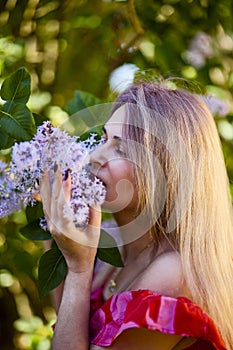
120,188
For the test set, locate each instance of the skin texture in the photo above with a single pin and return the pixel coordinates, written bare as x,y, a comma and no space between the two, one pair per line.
111,166
79,247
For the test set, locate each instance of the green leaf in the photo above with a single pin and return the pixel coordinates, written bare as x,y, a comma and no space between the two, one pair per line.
34,232
81,100
34,212
39,119
17,121
111,256
98,130
52,271
5,140
16,87
108,250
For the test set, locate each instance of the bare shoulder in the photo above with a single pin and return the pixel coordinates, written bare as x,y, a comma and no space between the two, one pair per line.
164,275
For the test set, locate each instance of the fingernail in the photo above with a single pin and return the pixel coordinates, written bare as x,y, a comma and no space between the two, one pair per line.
65,175
55,168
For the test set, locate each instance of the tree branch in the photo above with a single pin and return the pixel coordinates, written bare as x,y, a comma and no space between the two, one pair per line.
139,31
134,18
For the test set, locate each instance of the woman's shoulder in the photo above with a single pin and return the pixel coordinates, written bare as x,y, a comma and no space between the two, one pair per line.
155,306
164,276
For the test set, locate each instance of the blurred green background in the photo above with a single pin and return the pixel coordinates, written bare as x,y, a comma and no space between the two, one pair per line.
80,44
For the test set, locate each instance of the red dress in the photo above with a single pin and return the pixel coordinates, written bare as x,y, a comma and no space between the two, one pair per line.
146,309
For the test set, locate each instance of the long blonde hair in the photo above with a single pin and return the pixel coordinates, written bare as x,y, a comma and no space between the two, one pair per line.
201,228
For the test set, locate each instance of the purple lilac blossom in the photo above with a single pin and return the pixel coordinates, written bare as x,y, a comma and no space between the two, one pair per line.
51,148
10,197
217,106
200,49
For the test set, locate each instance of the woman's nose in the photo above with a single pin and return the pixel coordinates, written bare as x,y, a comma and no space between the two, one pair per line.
98,155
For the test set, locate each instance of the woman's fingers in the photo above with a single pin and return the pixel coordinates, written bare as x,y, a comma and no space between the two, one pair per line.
93,229
67,186
45,193
55,195
61,193
95,217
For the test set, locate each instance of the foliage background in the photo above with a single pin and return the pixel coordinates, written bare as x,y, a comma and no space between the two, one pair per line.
69,45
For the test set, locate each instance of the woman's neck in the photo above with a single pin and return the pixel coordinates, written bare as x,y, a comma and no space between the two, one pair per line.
135,245
131,247
134,249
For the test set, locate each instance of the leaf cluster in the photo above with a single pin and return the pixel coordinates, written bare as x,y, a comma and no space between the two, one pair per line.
16,120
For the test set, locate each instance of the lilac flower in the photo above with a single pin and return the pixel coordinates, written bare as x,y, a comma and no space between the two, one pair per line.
10,197
86,191
200,49
49,148
90,142
43,224
216,105
57,147
74,207
24,170
3,165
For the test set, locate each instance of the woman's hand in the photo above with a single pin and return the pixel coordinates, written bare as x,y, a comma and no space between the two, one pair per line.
78,246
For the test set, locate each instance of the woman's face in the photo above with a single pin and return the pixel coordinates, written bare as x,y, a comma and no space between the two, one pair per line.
109,163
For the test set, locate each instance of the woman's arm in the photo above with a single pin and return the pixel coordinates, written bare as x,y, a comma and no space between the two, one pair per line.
79,247
72,327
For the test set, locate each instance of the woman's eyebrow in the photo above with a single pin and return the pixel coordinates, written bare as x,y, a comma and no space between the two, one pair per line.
115,137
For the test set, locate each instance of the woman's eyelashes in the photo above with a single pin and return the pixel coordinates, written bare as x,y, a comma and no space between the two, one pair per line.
120,149
116,144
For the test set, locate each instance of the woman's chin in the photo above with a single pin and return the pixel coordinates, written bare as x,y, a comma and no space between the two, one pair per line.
113,206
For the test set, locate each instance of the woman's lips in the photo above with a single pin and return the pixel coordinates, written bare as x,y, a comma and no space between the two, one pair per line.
94,174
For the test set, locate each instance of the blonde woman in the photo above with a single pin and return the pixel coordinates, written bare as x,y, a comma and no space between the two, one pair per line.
167,187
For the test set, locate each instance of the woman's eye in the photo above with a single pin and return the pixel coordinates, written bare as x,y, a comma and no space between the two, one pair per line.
120,150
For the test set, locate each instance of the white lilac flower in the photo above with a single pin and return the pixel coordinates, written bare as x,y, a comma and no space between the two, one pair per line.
51,148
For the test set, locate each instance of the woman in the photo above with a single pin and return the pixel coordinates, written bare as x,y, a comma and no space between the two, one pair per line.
167,187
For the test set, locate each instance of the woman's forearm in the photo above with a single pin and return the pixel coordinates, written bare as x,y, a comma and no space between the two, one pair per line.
72,327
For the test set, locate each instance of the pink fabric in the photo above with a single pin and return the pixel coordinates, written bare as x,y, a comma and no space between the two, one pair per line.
146,309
